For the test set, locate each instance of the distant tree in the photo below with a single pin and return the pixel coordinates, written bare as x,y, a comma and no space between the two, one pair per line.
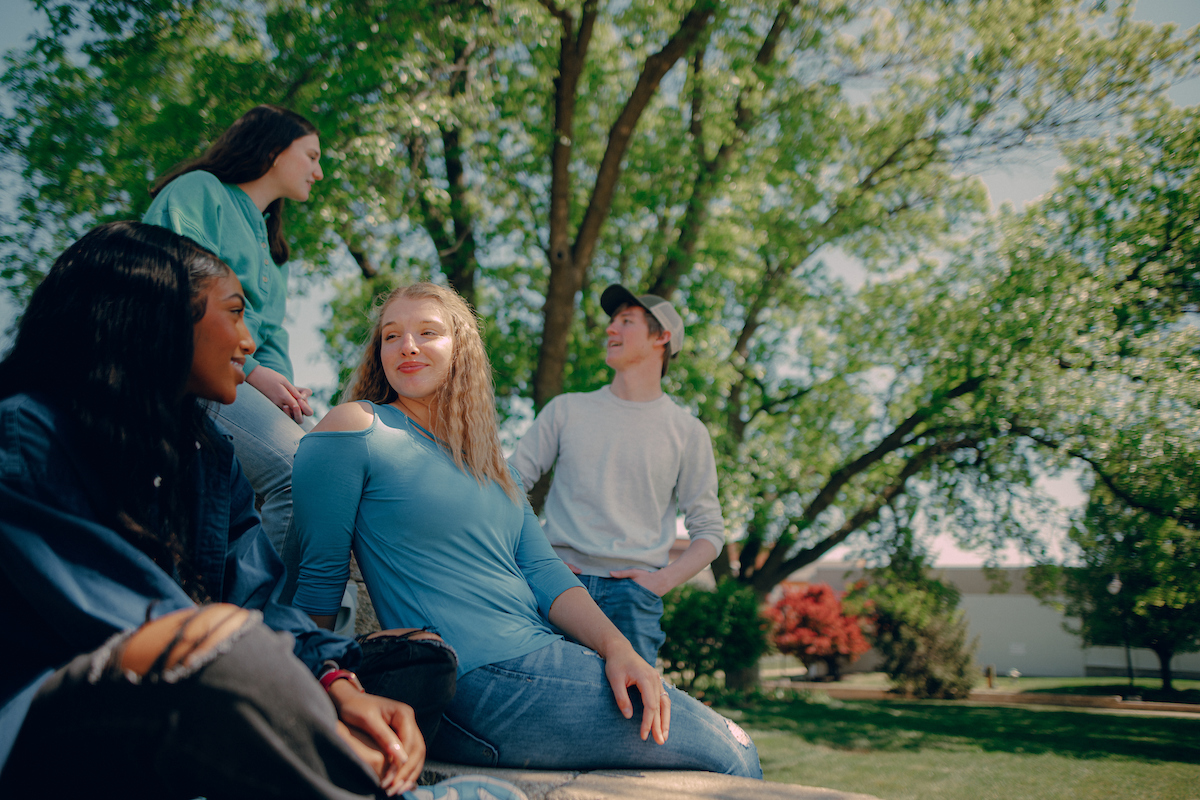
1138,583
810,624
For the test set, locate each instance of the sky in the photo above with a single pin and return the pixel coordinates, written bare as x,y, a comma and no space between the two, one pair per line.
1018,181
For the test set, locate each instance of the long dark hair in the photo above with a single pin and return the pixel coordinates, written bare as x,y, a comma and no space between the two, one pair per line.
244,152
107,339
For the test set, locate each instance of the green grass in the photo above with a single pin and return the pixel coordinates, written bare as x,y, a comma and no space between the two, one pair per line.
898,750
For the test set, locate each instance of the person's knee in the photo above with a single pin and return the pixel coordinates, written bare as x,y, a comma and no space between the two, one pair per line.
181,637
745,754
412,634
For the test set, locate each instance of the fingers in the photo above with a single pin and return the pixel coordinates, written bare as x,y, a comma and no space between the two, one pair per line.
404,722
662,721
656,704
302,396
391,727
397,776
574,569
364,747
621,694
294,403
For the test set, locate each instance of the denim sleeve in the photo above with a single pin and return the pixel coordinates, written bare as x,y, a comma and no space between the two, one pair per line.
255,578
328,480
544,571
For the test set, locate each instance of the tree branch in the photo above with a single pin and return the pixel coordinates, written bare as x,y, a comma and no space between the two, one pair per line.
783,566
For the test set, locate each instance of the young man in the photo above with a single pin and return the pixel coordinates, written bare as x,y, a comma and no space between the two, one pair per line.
628,461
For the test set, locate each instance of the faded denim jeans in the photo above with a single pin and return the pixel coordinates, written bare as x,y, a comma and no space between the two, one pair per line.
554,709
634,609
417,672
246,720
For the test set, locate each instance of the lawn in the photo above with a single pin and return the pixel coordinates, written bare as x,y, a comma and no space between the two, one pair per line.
931,750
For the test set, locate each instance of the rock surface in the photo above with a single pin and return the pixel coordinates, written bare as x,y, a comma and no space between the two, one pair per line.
638,785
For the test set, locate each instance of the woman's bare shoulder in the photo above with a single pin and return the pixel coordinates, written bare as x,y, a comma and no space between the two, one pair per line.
355,416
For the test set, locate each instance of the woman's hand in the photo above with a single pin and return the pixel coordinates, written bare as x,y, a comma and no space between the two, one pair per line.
576,613
390,727
280,391
625,668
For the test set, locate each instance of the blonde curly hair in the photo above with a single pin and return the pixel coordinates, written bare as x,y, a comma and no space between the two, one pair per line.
464,405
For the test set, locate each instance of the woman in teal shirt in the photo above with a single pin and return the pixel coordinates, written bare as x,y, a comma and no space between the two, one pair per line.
411,477
230,200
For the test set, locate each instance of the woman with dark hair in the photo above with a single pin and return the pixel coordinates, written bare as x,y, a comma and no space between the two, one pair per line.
409,475
230,200
121,508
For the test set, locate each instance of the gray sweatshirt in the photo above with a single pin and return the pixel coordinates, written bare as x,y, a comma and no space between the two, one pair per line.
624,472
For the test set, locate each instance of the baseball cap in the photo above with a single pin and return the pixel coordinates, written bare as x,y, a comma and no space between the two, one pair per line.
616,296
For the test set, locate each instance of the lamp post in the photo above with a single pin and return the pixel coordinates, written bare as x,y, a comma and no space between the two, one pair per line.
1114,588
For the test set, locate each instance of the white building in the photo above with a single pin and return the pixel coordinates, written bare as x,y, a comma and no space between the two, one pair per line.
1015,630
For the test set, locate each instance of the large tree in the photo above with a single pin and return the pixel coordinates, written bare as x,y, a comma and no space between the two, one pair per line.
722,154
1135,581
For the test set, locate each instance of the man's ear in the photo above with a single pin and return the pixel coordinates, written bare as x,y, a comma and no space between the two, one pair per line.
664,339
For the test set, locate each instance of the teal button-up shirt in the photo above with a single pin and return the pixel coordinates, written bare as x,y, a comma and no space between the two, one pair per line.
224,219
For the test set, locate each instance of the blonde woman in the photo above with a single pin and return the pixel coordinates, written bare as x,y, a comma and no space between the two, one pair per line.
409,475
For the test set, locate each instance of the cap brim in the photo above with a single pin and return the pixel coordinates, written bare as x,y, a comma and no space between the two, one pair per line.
616,296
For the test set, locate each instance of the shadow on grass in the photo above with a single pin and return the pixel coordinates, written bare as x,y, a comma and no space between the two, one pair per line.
1124,690
883,726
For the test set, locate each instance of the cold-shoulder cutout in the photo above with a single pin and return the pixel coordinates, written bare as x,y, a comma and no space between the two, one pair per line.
356,416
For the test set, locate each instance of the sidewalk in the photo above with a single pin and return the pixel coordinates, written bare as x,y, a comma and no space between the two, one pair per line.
1001,697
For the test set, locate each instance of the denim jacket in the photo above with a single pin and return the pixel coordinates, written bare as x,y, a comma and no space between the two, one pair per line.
67,583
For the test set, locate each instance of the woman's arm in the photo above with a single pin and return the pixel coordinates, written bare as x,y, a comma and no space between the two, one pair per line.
328,477
577,614
291,399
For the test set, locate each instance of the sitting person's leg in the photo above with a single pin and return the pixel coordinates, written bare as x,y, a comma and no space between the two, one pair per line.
554,709
413,666
199,702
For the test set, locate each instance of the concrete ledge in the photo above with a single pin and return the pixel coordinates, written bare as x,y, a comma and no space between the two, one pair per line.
638,785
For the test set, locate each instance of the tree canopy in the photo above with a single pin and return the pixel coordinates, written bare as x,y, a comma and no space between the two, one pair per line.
723,155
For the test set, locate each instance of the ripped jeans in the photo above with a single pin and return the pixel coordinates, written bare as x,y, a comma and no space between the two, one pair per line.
246,719
554,709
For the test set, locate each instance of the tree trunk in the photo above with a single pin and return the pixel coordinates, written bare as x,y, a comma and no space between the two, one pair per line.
569,262
743,680
1164,666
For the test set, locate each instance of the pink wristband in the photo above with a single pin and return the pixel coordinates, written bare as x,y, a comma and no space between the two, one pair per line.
338,674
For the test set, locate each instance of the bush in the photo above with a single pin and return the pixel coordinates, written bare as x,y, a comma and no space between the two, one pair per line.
810,624
710,631
921,637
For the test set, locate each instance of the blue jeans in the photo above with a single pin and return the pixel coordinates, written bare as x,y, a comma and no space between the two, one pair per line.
554,709
248,720
265,441
634,609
